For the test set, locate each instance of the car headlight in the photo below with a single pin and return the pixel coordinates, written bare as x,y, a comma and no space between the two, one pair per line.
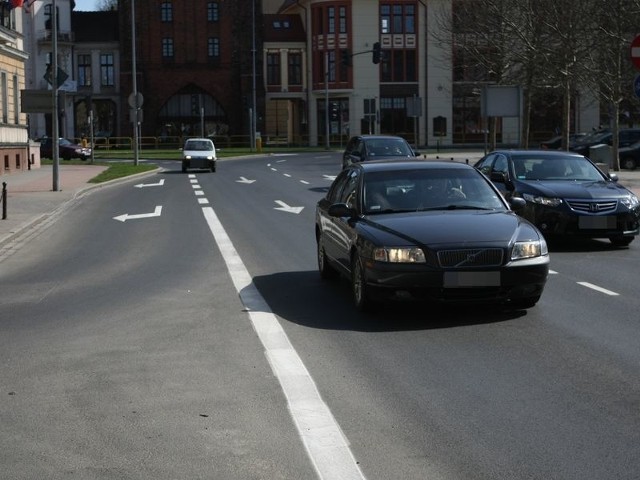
187,157
529,249
399,255
630,202
546,201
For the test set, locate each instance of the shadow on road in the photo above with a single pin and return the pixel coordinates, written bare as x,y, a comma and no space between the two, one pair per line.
303,298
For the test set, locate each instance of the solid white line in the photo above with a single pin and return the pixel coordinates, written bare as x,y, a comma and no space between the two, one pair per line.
321,435
599,289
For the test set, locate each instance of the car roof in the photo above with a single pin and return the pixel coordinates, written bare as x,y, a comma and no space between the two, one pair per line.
400,165
538,153
372,136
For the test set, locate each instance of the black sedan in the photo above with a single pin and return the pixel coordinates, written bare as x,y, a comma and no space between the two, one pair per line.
630,156
424,230
363,148
566,194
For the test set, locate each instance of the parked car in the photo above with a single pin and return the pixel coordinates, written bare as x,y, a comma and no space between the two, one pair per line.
363,148
66,149
555,143
630,156
566,194
427,230
199,153
626,137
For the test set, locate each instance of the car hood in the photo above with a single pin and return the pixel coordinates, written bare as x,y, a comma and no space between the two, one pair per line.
575,189
462,228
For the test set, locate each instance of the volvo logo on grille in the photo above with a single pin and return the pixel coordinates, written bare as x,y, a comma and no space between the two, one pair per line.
594,207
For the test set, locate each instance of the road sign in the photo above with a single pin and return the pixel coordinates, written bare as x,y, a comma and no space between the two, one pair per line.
635,52
636,86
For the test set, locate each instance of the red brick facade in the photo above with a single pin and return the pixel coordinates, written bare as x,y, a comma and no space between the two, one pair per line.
177,60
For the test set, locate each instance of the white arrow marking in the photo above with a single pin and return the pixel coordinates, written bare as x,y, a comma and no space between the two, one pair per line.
126,216
244,180
286,208
142,185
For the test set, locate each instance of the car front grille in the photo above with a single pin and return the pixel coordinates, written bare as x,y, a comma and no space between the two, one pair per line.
593,206
465,258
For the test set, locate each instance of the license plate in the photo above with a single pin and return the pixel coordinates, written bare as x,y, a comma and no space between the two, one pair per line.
471,279
600,222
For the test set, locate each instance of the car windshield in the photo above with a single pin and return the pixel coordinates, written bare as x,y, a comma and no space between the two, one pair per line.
64,141
572,168
388,147
198,145
428,189
595,137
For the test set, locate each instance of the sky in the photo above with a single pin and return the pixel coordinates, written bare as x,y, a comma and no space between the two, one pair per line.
86,5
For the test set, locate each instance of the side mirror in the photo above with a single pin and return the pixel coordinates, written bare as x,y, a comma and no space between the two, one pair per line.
517,203
613,177
341,210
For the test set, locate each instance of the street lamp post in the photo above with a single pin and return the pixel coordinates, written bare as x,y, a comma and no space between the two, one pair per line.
54,93
134,83
253,78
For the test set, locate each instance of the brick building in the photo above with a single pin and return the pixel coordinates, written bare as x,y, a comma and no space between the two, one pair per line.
193,58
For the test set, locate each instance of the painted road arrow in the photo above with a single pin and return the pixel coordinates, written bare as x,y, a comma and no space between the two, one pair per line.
286,208
142,185
126,216
244,180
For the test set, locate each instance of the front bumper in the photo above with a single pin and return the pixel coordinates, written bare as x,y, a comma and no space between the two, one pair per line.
524,279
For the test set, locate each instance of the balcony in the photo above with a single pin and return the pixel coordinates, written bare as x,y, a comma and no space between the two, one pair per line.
45,36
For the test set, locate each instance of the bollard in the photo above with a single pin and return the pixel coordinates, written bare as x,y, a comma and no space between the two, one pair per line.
3,200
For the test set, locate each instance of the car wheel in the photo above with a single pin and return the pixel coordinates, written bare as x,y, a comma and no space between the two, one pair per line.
628,163
621,240
361,297
524,303
326,270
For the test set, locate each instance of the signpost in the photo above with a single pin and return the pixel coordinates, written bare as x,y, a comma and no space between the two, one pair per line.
635,52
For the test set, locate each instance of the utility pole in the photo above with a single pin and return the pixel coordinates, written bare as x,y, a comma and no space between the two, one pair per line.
134,84
55,141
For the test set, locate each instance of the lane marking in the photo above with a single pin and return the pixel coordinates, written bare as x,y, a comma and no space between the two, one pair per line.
598,289
203,201
319,431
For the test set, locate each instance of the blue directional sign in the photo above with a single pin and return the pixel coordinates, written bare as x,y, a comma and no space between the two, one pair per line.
636,86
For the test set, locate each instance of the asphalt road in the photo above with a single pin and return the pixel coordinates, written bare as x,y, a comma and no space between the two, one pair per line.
127,350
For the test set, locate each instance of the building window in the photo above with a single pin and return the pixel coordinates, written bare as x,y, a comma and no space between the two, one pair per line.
398,66
47,17
5,98
16,101
273,69
166,12
397,18
213,48
213,12
107,70
84,70
331,20
295,68
167,47
343,20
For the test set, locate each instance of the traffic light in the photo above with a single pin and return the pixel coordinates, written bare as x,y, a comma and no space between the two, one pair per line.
377,53
345,58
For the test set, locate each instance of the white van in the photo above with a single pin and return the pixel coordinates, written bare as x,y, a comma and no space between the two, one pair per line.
199,153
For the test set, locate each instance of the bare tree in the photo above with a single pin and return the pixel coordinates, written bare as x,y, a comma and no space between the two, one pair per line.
612,73
105,5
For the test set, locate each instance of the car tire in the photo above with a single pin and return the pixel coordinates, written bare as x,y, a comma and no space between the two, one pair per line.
628,163
622,240
524,303
327,272
361,297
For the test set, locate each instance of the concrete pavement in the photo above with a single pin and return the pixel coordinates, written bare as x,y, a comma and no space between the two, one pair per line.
32,201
